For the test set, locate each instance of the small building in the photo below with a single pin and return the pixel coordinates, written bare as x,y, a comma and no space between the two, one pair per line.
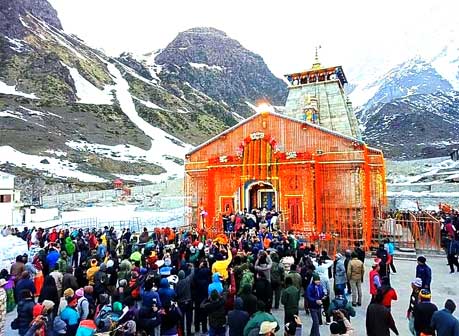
10,201
118,183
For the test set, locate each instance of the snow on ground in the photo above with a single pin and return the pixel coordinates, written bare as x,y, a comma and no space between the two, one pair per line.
163,144
139,178
11,90
419,194
87,92
38,113
55,168
201,66
58,37
426,170
10,247
149,104
16,45
12,114
118,213
238,117
117,216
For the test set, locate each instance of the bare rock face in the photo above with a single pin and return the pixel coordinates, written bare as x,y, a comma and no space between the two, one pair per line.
12,10
221,67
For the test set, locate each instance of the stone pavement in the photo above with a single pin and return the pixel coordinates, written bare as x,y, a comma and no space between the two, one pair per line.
444,286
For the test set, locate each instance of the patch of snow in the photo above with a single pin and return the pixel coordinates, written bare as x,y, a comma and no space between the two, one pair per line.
142,177
136,75
58,153
363,93
16,45
23,22
253,107
56,168
162,143
87,92
238,117
12,114
58,37
408,205
149,104
447,64
11,90
39,113
201,66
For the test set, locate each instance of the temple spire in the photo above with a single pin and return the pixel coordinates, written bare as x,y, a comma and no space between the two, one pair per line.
316,65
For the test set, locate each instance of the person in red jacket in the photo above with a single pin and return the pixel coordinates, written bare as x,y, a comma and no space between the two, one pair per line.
375,279
388,293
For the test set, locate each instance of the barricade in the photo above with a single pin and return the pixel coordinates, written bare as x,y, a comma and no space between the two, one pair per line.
410,232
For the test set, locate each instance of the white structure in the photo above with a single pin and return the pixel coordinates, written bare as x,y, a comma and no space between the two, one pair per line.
10,201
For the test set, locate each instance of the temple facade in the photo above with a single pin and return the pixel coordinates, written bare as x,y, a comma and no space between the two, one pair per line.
309,163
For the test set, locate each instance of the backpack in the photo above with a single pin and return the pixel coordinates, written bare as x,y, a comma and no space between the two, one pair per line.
276,273
247,278
91,308
106,319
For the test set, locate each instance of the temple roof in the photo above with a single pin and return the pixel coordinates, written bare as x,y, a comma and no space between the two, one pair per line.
326,130
315,71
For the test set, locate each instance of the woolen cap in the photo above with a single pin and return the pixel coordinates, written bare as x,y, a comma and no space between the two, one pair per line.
267,326
417,282
69,293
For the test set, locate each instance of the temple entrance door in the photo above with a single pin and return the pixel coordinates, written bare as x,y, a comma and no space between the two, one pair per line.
295,213
261,195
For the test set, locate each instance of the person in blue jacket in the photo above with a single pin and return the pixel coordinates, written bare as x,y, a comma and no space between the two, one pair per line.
166,293
444,322
149,296
215,285
52,257
424,272
314,295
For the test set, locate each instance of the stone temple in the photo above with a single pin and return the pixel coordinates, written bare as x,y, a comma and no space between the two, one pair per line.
317,95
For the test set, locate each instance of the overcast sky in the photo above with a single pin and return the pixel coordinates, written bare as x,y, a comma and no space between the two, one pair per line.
360,35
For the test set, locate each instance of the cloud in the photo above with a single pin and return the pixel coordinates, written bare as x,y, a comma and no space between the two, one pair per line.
361,35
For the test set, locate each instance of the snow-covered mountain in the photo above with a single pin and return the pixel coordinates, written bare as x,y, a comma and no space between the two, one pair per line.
70,113
411,111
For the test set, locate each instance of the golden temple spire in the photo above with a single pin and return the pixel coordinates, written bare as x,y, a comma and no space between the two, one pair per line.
316,65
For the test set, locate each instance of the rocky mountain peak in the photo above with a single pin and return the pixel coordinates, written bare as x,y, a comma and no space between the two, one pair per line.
214,63
205,30
11,12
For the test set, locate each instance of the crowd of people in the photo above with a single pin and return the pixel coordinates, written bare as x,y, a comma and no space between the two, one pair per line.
168,282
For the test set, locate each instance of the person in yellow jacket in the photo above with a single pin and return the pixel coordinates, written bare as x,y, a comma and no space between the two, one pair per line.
91,272
221,266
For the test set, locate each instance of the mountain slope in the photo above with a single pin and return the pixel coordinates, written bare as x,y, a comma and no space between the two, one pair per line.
417,126
211,62
69,113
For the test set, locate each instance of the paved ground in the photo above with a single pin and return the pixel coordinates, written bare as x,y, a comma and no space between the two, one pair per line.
444,286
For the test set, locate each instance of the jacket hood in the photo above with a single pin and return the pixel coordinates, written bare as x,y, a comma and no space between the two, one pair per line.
216,277
125,265
246,289
164,283
238,303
